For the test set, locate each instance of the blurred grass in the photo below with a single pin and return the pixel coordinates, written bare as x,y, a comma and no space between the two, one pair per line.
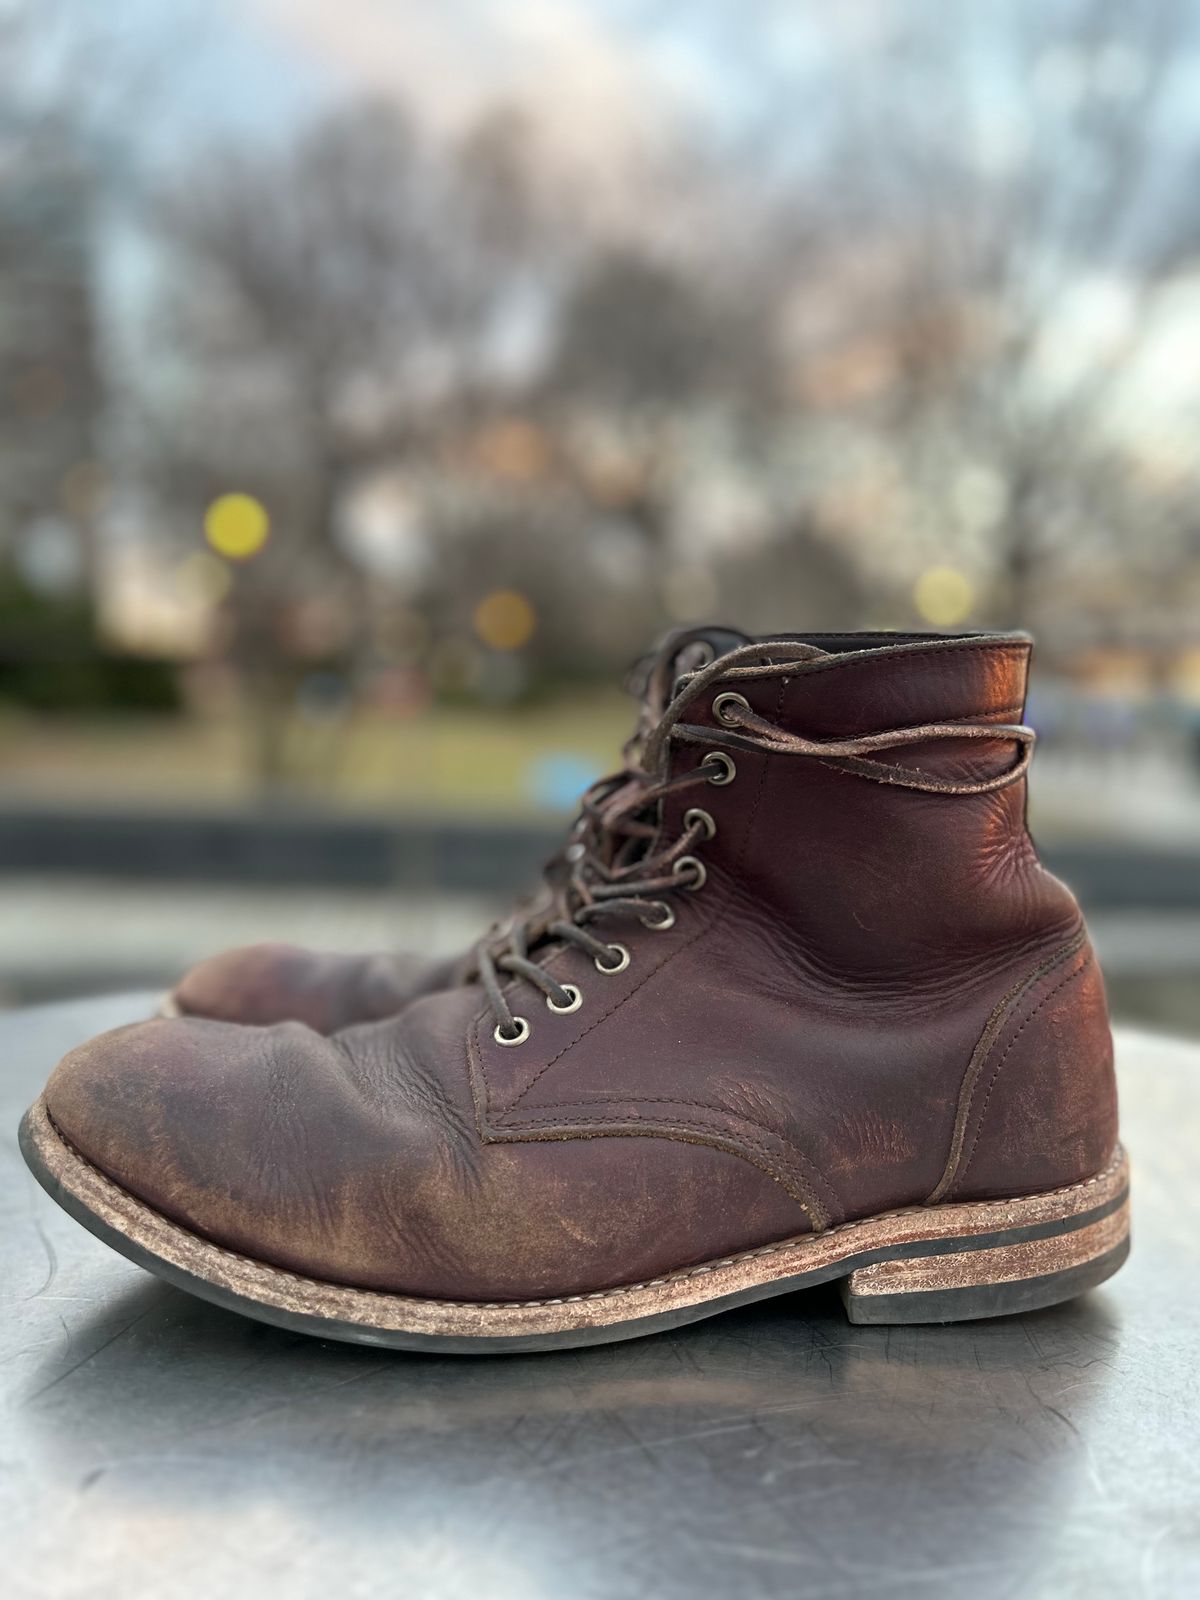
463,759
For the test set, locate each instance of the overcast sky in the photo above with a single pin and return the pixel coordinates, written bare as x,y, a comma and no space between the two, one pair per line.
611,80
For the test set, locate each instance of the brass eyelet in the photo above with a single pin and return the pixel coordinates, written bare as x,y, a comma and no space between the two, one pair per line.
697,817
728,698
694,866
730,772
573,1004
619,965
667,920
519,1037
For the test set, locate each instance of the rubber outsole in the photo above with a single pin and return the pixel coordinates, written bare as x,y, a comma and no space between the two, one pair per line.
941,1263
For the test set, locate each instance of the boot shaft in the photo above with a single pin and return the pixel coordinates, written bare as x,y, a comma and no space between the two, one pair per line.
872,880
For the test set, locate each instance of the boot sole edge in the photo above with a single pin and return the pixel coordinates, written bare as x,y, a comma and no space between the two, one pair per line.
919,1264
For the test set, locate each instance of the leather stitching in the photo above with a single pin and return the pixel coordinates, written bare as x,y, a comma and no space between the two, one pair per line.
799,1188
951,646
782,1246
476,1060
770,1165
791,1151
1001,1014
663,1130
1061,984
706,923
807,1176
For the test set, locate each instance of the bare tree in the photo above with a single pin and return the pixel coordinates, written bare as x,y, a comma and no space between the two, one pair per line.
50,381
330,310
983,167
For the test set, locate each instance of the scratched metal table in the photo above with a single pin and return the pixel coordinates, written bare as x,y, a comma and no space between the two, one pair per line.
156,1446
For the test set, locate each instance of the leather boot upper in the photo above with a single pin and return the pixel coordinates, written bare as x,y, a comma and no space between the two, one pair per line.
868,993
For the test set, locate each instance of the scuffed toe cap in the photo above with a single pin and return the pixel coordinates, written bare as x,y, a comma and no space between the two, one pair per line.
239,1134
264,984
275,1142
160,1106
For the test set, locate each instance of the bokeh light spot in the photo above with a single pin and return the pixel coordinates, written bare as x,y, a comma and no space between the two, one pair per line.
203,579
505,620
943,596
514,449
82,489
557,779
237,526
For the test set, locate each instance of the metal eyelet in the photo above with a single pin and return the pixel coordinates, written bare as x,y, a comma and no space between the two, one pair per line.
619,965
519,1037
667,920
697,817
729,699
575,852
573,1004
694,865
725,761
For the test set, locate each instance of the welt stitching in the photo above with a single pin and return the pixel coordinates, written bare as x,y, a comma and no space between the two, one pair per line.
782,1247
1061,984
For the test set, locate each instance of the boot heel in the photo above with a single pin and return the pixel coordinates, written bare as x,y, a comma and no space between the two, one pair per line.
955,1280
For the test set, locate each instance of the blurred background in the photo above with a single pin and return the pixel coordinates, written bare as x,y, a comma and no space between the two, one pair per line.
378,378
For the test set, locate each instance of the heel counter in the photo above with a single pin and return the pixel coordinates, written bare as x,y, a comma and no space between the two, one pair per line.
1038,1105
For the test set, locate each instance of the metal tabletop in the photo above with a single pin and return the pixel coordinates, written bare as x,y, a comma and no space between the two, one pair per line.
154,1445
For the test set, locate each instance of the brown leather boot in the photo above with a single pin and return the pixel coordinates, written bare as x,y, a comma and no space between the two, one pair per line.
807,1008
266,983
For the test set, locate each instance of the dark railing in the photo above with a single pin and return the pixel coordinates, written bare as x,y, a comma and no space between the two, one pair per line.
303,846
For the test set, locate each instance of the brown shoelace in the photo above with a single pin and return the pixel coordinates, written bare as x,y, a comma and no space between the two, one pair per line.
617,864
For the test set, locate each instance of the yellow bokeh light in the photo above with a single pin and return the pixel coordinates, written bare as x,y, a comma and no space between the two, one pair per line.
237,526
505,620
944,596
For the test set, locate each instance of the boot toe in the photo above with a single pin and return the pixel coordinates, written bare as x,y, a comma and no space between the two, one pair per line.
206,1122
145,1105
265,1141
263,984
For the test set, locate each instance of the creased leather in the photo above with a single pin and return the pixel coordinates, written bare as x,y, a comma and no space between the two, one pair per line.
795,1051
